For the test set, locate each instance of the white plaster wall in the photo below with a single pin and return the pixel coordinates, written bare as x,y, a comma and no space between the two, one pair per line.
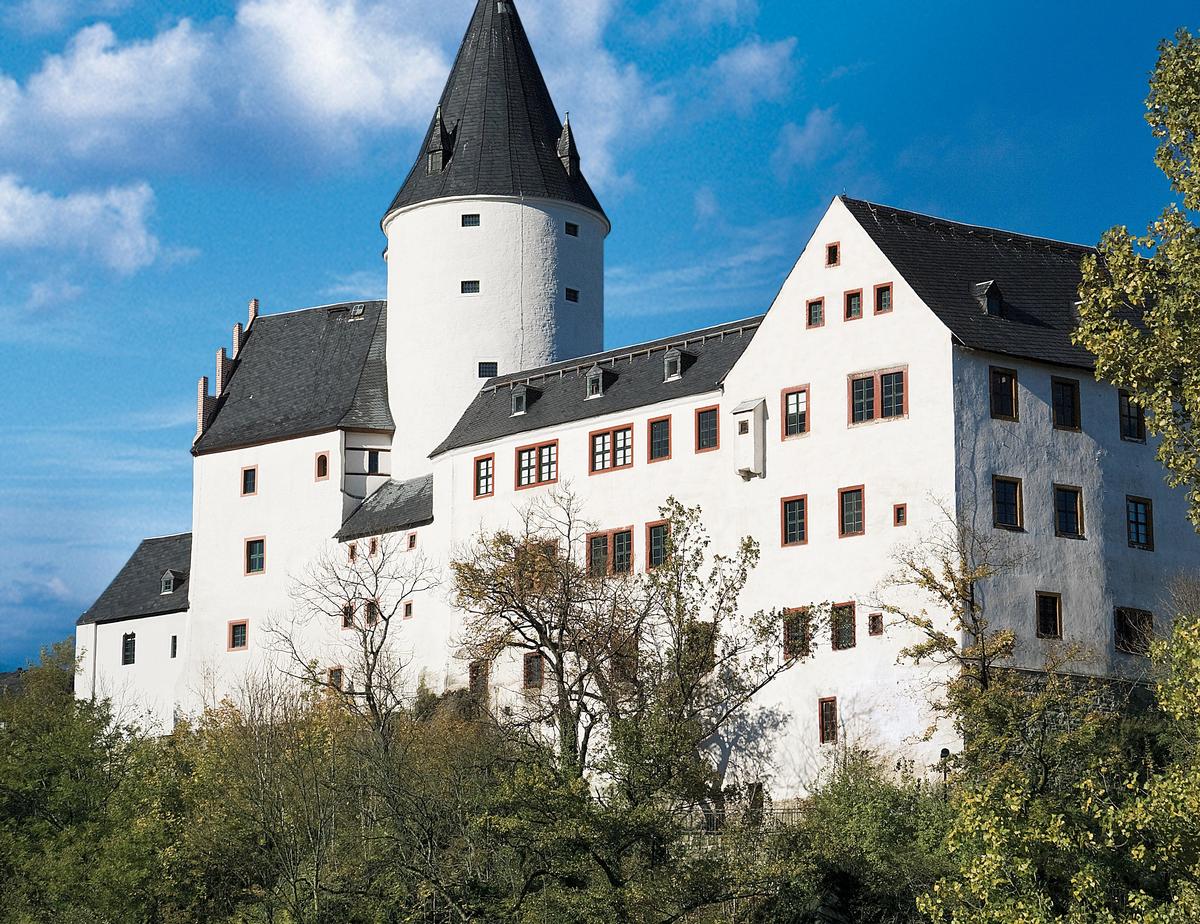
436,336
1094,574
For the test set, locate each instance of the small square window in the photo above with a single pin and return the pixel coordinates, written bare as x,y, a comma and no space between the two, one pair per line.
833,254
249,480
1003,388
470,220
489,370
900,514
256,556
854,308
827,713
875,624
743,428
572,295
1049,615
1133,630
815,313
239,635
1068,511
469,287
1065,401
883,298
572,229
851,519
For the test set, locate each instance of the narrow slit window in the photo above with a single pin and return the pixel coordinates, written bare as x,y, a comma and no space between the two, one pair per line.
469,287
128,648
249,480
470,220
322,466
900,514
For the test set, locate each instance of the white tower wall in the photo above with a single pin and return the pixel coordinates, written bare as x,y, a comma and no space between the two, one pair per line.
524,262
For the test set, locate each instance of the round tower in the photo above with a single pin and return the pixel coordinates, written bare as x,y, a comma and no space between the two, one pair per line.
495,242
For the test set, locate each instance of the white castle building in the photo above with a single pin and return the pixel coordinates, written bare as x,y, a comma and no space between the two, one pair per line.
907,361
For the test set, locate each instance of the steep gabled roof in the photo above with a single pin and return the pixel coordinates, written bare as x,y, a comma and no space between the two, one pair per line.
394,506
634,378
944,261
498,129
137,588
305,372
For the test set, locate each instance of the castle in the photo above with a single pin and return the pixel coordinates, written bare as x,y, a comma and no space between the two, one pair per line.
908,363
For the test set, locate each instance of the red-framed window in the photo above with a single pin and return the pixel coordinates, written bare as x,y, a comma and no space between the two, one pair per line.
875,624
852,305
485,475
879,395
611,449
793,520
883,298
899,514
255,559
238,635
658,439
249,481
797,632
833,253
536,464
657,534
610,552
794,412
814,313
852,511
708,428
827,719
321,467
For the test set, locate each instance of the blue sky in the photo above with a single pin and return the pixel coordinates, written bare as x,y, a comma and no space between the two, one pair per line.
162,162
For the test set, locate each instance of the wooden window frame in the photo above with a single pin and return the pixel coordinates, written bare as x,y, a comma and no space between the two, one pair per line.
821,719
808,325
480,669
611,433
650,526
1124,395
348,614
899,515
533,657
1020,524
242,481
650,460
716,409
875,298
875,624
229,646
486,457
877,396
317,476
837,253
1063,380
537,465
793,617
1016,414
783,502
608,565
340,686
784,394
1082,534
840,510
246,556
834,646
862,311
412,541
130,637
1141,651
1148,545
407,609
1037,613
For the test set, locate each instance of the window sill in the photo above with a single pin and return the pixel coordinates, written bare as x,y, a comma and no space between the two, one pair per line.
1006,526
1068,429
851,424
1131,439
1059,535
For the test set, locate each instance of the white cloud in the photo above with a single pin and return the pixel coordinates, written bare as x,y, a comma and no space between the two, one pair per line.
673,17
38,16
805,145
753,71
705,204
109,225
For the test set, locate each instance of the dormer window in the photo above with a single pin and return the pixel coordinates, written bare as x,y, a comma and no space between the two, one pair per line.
595,383
520,400
167,584
989,298
672,365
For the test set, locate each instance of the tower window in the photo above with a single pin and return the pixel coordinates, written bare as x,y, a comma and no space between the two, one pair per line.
372,461
256,556
174,645
128,647
489,370
572,295
572,229
470,220
239,635
469,286
249,480
322,466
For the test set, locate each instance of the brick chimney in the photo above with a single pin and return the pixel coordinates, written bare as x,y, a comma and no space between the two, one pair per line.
204,406
253,312
237,339
224,367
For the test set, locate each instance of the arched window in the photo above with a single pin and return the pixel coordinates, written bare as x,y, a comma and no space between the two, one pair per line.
322,466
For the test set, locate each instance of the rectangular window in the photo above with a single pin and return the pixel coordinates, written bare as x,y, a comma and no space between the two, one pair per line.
372,461
611,449
532,673
572,229
334,677
1133,630
256,556
1068,511
1007,511
1049,615
841,626
862,399
899,514
347,615
853,304
1065,401
795,412
572,295
470,220
372,612
875,624
891,394
815,313
1003,390
797,633
485,476
469,287
851,511
622,551
827,718
174,645
537,464
1133,418
598,555
708,435
794,520
833,254
658,439
239,635
883,298
882,395
128,648
656,544
1139,522
412,541
408,609
610,552
249,480
477,679
489,370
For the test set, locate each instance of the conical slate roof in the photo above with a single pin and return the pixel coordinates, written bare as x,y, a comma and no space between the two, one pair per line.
499,124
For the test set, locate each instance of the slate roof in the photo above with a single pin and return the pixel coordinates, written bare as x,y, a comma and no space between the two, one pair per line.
634,378
944,261
394,506
137,588
304,372
499,120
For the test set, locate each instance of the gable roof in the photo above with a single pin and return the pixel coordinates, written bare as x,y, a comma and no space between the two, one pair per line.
305,371
634,378
944,261
395,505
137,588
496,123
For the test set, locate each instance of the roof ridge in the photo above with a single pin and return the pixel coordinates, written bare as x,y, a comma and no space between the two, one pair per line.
967,225
589,359
353,301
167,536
